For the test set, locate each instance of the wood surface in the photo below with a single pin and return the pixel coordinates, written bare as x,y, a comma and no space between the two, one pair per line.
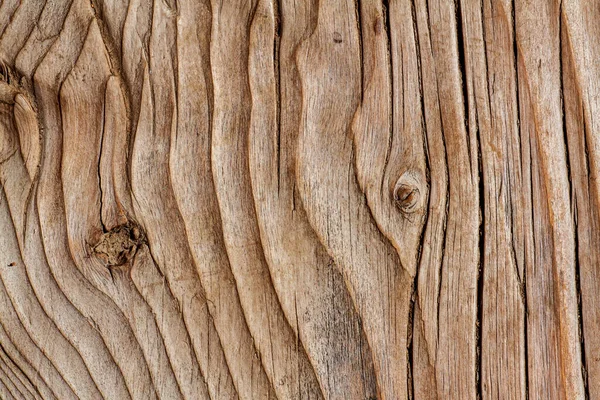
299,199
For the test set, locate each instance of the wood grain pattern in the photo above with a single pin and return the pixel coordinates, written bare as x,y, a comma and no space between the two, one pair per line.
261,199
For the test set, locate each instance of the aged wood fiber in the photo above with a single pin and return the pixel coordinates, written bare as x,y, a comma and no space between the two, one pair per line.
299,199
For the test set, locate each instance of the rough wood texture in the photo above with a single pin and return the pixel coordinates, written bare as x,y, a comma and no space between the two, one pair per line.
283,199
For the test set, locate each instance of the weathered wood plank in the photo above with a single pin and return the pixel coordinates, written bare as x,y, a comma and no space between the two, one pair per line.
344,199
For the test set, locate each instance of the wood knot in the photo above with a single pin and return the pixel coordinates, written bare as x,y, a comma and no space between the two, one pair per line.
118,246
406,194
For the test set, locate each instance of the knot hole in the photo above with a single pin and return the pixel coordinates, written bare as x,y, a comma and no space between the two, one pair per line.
407,194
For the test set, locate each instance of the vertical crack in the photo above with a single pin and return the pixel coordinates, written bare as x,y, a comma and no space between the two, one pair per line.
579,305
410,382
357,8
388,28
524,273
562,101
445,219
482,216
584,365
574,209
415,283
461,48
480,271
99,171
276,56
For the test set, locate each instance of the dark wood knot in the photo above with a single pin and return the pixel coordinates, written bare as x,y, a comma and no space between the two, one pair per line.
407,194
118,246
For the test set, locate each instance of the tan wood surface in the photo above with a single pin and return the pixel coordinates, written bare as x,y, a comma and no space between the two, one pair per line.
299,199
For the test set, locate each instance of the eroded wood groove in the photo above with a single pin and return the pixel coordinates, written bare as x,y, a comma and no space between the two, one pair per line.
273,199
